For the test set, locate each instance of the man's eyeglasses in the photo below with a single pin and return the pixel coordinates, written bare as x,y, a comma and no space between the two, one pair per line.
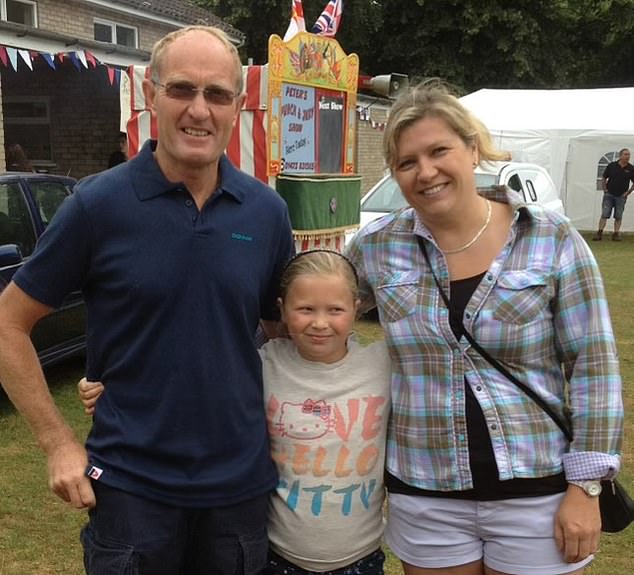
186,92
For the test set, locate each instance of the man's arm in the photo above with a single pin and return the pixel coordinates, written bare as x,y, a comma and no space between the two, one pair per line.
23,380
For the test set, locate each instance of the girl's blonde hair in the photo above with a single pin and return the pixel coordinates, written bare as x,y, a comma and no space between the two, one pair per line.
319,262
434,99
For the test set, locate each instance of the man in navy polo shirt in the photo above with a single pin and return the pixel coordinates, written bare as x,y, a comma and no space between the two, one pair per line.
178,255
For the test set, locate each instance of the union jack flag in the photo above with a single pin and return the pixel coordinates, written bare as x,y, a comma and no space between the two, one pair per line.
328,23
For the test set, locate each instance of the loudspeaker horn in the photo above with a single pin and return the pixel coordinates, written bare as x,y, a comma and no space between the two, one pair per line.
388,85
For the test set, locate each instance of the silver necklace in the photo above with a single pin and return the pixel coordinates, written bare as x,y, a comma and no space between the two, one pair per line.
475,238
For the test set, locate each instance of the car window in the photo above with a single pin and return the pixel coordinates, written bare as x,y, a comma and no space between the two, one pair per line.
515,183
49,197
16,226
386,197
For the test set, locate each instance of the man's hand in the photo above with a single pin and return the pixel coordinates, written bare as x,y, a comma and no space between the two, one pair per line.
67,464
578,525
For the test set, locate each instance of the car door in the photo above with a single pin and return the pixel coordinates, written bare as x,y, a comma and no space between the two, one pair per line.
61,333
535,185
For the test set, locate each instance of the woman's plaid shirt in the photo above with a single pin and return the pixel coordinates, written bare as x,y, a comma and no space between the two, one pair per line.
540,309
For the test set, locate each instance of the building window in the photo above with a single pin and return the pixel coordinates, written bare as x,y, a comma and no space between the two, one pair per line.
27,122
113,33
19,12
603,163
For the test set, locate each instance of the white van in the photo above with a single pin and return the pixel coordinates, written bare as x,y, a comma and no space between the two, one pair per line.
532,182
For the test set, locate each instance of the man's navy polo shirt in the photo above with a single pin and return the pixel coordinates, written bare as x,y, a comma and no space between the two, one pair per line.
173,297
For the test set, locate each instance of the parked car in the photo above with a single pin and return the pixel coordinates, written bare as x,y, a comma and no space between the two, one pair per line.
28,202
532,182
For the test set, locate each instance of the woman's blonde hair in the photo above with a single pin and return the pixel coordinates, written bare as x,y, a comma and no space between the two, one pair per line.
435,99
158,51
319,262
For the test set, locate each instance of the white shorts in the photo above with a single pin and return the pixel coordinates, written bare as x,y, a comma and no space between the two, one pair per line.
514,536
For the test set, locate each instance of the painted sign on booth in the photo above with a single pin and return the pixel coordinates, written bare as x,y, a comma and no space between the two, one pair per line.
312,98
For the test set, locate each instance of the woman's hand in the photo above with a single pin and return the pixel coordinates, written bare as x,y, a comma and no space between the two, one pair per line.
89,392
578,525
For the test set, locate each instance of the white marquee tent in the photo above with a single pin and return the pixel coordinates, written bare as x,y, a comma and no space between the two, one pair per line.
571,133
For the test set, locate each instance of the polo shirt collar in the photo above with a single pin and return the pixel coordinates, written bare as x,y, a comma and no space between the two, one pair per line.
149,181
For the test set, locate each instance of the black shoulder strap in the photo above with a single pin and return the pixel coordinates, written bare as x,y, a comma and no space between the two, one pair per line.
494,362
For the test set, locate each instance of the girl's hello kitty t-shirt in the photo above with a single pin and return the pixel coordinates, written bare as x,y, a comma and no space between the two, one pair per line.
327,426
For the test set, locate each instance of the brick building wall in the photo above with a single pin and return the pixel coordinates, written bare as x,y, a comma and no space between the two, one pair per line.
83,109
370,123
77,19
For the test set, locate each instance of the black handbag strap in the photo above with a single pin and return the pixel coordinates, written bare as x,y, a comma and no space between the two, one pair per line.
494,362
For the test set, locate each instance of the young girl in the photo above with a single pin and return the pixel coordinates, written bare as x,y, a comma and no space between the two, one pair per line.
327,404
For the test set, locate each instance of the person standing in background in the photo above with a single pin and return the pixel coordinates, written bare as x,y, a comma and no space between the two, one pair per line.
17,160
616,177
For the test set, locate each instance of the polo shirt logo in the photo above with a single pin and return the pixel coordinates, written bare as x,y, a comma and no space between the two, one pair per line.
242,237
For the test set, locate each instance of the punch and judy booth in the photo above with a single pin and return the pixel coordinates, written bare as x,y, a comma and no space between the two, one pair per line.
311,136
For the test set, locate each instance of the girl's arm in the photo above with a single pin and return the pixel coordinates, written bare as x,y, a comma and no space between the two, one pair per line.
89,393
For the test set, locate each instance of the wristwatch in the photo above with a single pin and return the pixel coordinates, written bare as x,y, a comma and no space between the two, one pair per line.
592,487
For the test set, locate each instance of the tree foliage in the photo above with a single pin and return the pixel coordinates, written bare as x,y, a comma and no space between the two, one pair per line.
471,43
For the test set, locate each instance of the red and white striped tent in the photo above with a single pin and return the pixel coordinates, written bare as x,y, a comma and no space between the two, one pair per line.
247,149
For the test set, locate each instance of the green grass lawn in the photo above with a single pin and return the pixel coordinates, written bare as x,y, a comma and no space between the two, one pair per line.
39,534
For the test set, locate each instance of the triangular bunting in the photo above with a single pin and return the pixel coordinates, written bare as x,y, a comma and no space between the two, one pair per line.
3,56
91,59
74,60
110,74
26,56
81,56
50,59
13,58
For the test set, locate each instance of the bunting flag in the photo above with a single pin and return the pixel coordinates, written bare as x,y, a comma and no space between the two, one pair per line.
75,60
297,23
81,56
26,58
50,59
13,58
81,59
91,59
328,23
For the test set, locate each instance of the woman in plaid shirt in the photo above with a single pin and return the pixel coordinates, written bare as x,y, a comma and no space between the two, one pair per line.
480,479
